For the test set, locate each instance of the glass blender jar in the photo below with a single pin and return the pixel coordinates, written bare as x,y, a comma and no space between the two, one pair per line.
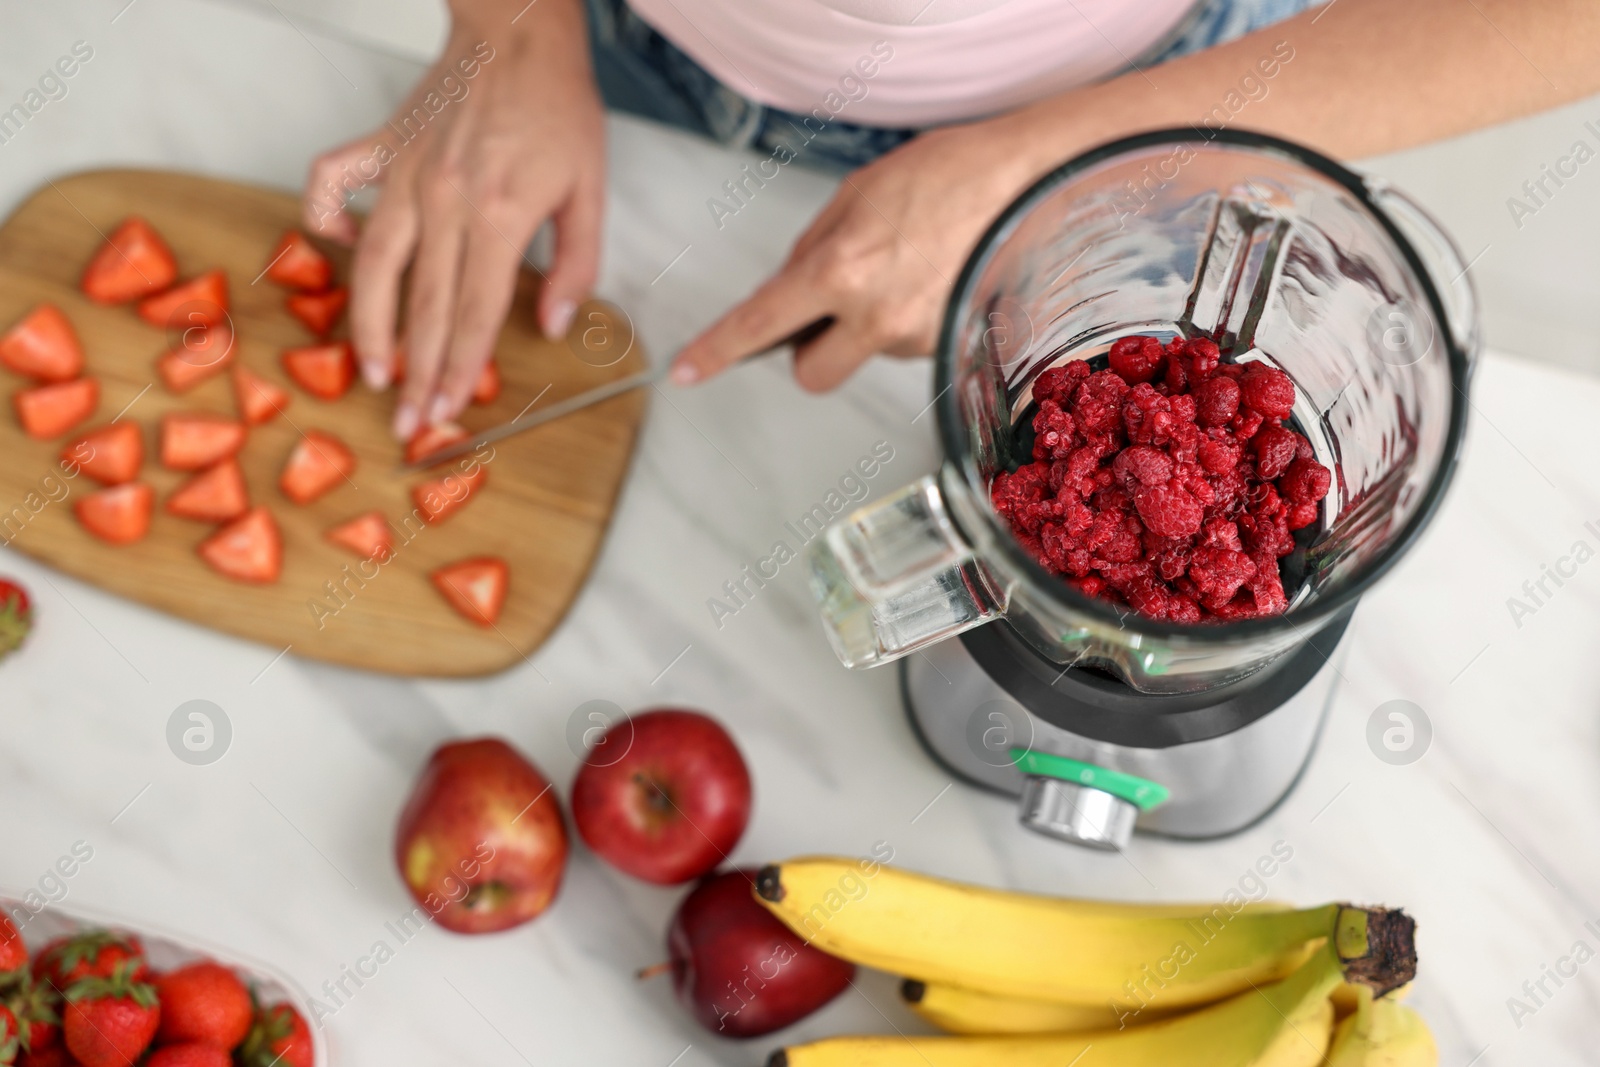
1277,254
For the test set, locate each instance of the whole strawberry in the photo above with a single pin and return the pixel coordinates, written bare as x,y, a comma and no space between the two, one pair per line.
109,1022
13,953
191,1054
16,619
37,1006
203,1002
96,954
10,1039
54,1056
279,1038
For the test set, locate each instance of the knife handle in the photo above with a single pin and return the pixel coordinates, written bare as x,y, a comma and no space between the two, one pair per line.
804,335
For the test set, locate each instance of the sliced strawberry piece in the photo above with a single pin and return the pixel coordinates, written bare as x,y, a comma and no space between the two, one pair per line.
119,515
203,302
194,441
488,385
476,588
443,497
319,311
48,411
368,536
248,549
16,621
133,262
205,353
43,345
430,439
110,455
259,400
324,371
319,462
298,264
216,494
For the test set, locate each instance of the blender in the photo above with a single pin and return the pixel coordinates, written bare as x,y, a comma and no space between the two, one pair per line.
1099,720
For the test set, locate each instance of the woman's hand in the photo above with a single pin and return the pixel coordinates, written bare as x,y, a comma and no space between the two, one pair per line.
463,192
880,258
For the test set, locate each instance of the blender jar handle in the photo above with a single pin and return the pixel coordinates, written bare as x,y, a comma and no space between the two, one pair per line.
1442,260
897,576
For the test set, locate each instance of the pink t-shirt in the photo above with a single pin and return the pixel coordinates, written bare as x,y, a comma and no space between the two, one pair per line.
910,62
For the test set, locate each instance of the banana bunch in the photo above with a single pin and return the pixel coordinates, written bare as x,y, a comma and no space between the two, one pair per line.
1024,980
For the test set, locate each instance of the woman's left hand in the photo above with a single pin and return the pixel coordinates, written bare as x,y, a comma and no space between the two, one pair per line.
880,258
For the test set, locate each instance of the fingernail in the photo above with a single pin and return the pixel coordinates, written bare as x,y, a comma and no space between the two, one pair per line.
440,411
405,421
560,319
376,374
684,373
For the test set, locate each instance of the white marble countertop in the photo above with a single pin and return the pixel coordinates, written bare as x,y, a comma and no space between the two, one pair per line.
282,849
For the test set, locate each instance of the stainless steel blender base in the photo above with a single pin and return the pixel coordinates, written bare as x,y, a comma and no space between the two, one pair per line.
1218,786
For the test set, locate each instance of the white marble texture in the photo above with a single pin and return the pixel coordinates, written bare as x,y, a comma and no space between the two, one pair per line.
281,851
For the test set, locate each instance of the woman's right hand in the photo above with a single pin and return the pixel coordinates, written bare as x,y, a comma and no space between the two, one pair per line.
518,138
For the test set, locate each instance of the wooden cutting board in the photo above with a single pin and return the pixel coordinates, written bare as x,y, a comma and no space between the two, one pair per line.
544,508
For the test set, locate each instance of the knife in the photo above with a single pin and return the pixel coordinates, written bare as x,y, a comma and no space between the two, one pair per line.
599,394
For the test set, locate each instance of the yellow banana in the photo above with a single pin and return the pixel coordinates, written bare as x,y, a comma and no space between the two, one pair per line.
1347,998
1281,1024
1044,948
968,1011
1381,1032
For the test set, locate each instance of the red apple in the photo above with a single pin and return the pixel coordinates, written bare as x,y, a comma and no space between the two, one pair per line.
740,971
672,806
480,844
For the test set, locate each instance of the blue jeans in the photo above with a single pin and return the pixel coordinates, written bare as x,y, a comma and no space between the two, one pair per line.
642,72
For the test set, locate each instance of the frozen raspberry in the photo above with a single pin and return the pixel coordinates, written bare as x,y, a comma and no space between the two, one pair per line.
1305,482
1168,556
1202,357
1092,585
1126,543
1053,432
1218,573
1176,380
1183,408
1136,359
1268,390
1218,456
1146,415
1105,527
1301,515
1058,383
1142,465
1266,586
1016,496
1265,533
1143,591
1097,404
1216,401
1169,510
1246,423
1275,449
1181,609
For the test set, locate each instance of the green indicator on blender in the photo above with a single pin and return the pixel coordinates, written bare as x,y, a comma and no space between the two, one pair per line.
1130,787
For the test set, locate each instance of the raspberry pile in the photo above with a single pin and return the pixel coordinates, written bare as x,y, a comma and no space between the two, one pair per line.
1167,482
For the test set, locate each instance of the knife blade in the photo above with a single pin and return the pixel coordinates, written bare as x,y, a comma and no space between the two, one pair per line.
599,394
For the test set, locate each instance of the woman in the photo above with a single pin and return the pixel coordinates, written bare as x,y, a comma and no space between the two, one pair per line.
946,110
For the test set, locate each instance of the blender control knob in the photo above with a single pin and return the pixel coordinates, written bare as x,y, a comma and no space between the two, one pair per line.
1081,814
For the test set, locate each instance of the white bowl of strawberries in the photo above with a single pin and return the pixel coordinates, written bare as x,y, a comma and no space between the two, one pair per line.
75,991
